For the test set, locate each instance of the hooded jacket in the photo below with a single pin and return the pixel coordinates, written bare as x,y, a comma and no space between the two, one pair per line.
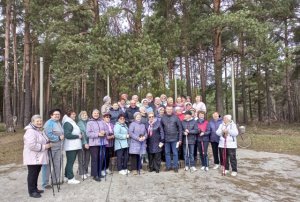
231,138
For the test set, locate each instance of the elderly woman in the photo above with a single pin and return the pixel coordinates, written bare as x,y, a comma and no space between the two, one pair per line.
95,130
163,99
144,115
228,144
121,144
109,148
199,105
203,140
72,144
161,113
138,136
35,153
154,142
114,112
84,154
145,103
106,106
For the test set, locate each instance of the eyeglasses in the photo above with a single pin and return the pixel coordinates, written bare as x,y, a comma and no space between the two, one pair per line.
122,118
151,116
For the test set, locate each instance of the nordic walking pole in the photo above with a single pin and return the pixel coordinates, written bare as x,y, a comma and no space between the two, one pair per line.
51,172
100,167
204,157
105,163
61,176
224,157
82,164
127,150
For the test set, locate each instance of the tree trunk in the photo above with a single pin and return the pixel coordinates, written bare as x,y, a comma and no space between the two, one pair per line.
16,75
259,94
27,68
7,96
225,91
95,90
218,61
138,17
267,77
244,99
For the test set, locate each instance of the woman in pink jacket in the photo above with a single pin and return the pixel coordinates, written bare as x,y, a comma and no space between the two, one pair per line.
35,153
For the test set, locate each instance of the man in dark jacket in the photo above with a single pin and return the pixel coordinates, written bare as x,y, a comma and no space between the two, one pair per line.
190,130
173,137
130,112
212,127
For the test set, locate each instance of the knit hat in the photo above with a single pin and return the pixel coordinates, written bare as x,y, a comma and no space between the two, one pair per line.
188,113
136,113
106,98
143,100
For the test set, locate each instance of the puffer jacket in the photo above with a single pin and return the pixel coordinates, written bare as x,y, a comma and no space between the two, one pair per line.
191,125
114,115
212,127
129,114
231,141
34,152
172,128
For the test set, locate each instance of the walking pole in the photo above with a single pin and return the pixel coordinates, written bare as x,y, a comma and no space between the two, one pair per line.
224,158
82,164
204,157
100,167
105,163
61,176
51,172
127,150
140,159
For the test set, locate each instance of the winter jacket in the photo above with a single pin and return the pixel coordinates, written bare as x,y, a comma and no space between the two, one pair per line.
200,106
202,126
144,119
53,130
105,108
155,136
82,125
35,152
72,132
114,115
180,116
231,138
135,130
212,128
121,131
191,125
129,114
93,127
110,128
172,128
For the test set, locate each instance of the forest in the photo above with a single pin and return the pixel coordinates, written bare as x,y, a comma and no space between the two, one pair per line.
141,46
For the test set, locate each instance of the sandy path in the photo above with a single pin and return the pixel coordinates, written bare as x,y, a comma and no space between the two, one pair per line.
262,177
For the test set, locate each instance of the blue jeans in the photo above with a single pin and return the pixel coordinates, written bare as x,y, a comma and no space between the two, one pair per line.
168,147
203,152
189,158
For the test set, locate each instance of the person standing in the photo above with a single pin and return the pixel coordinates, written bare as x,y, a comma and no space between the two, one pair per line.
55,133
214,139
72,144
84,154
114,112
137,148
109,149
190,130
154,142
106,106
35,153
203,140
228,132
199,105
130,111
95,130
121,144
173,137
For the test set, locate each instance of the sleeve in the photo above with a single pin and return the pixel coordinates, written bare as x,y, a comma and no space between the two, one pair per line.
203,107
68,128
195,130
162,134
208,130
90,131
179,126
49,132
31,140
83,133
219,131
233,131
132,134
118,134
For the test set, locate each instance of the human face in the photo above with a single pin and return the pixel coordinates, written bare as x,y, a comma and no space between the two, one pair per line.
169,110
157,101
55,116
198,98
122,120
122,102
138,118
135,98
178,100
95,114
188,107
215,116
170,101
84,116
149,97
183,100
225,119
201,116
106,119
151,117
187,117
73,115
38,123
145,103
162,111
163,97
115,106
132,104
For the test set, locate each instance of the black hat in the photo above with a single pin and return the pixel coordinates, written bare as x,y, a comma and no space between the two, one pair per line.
188,113
107,114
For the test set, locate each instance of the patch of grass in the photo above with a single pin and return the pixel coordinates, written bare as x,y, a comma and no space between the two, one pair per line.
2,127
276,138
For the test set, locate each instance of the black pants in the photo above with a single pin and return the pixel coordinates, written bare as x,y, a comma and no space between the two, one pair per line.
122,159
203,152
230,156
215,151
32,177
96,163
135,161
154,161
109,153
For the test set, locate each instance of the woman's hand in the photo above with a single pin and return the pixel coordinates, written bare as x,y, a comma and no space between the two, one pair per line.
47,146
86,146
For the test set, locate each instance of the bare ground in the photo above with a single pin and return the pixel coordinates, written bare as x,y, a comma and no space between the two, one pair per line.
262,176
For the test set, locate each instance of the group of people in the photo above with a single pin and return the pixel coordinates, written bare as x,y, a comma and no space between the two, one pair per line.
129,130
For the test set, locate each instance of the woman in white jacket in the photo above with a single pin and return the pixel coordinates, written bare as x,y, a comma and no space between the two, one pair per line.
228,144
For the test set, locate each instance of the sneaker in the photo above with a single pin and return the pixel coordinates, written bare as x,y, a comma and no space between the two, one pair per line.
186,168
226,172
206,168
103,173
216,167
234,174
35,195
48,186
127,171
202,168
108,171
88,175
73,181
122,172
83,177
65,179
193,169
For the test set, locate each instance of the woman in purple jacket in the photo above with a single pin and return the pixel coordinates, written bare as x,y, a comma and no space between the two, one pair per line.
35,153
138,136
95,130
154,142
